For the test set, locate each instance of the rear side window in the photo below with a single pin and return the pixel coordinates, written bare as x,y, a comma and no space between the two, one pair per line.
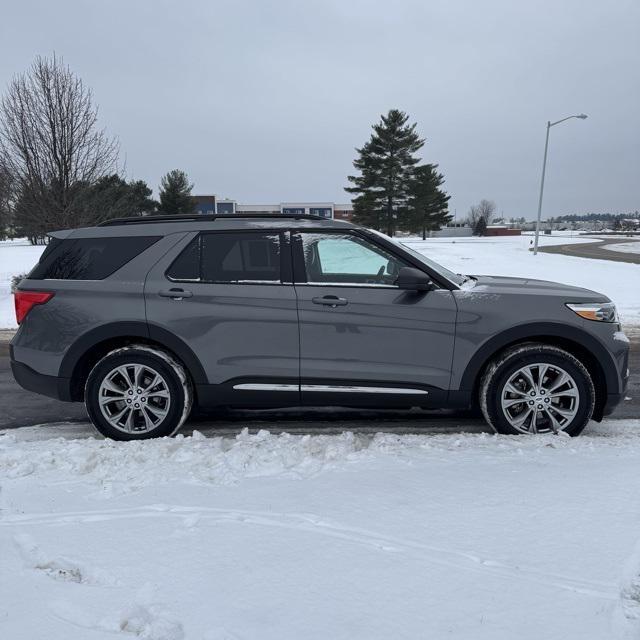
249,257
88,258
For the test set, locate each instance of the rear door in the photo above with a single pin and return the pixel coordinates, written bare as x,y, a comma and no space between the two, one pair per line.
362,340
229,296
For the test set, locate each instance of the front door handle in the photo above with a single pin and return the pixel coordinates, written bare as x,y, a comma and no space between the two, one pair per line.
330,301
175,294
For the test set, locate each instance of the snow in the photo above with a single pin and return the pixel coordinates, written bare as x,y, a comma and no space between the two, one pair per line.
510,256
344,536
624,247
16,257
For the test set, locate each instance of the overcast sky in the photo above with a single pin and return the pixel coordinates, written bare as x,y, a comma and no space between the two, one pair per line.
265,101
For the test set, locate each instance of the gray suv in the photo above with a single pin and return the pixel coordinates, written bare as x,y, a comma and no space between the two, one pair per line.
145,318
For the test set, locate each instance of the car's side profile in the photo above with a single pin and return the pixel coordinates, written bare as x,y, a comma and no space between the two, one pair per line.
143,318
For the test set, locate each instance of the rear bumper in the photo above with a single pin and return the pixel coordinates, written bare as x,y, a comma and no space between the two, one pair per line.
51,386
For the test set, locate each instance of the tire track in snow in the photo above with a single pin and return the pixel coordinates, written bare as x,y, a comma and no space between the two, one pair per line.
311,523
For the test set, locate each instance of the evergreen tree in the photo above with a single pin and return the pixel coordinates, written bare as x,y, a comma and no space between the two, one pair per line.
480,228
386,165
428,208
175,193
6,193
112,197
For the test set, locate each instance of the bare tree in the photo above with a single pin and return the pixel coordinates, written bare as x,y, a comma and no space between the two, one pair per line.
52,146
487,209
473,216
483,211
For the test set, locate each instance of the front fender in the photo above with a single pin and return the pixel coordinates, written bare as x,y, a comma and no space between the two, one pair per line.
538,332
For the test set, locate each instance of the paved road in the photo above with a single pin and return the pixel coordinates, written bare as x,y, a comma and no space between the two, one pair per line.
19,408
595,250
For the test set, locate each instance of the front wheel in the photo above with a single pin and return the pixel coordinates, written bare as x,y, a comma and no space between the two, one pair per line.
536,388
138,392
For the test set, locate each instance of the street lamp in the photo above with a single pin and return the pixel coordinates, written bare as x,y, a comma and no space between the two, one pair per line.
582,116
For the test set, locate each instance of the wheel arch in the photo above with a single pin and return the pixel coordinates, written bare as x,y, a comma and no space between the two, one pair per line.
576,341
83,354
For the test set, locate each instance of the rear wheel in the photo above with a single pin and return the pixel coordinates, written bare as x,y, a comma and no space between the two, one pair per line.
537,388
138,392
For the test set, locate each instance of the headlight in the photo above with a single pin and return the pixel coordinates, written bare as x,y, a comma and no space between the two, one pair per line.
601,312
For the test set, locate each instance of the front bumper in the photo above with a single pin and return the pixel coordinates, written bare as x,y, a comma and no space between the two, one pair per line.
51,386
614,399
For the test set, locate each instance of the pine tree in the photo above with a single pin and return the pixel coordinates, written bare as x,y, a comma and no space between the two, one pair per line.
113,197
5,202
481,227
386,165
175,193
428,208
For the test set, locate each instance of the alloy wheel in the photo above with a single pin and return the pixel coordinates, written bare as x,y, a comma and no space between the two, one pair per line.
540,398
134,398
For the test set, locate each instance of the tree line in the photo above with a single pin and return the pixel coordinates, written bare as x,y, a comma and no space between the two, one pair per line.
58,169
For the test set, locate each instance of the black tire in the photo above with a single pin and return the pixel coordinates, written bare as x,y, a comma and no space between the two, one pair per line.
509,362
178,387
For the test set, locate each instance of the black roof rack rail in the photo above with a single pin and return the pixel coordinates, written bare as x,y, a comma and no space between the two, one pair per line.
206,217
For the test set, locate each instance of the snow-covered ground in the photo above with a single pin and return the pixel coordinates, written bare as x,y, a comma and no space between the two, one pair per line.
343,537
16,257
624,247
495,256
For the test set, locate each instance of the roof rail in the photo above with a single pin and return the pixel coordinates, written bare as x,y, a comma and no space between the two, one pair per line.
206,217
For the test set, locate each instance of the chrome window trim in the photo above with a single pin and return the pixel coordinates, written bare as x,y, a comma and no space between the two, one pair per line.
352,285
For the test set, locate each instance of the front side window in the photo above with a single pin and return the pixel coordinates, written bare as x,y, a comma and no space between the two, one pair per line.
336,258
233,257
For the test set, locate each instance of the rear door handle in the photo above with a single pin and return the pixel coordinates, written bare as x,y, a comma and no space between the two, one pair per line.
330,301
175,294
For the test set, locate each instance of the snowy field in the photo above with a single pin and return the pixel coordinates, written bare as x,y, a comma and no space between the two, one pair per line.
16,257
486,256
463,536
624,247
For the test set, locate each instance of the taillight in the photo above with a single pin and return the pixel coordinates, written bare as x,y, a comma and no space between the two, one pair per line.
26,300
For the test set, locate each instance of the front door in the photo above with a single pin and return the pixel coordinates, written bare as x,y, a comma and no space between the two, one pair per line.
362,338
229,296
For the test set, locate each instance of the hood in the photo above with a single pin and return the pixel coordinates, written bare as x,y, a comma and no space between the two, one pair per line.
500,284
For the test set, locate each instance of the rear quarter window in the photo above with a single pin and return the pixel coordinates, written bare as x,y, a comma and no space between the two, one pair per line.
88,258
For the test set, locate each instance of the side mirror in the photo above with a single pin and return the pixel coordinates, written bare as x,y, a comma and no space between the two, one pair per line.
414,279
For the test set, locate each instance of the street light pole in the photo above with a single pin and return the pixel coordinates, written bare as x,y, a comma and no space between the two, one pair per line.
550,124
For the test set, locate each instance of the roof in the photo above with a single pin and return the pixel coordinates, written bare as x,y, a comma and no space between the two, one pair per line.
164,225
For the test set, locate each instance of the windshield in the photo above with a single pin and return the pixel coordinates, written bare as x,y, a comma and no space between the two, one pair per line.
438,268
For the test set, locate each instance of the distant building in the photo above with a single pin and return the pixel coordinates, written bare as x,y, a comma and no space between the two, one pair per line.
501,230
211,204
205,204
343,212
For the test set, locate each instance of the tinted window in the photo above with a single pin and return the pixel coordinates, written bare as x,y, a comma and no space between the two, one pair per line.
88,258
347,259
229,257
187,265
